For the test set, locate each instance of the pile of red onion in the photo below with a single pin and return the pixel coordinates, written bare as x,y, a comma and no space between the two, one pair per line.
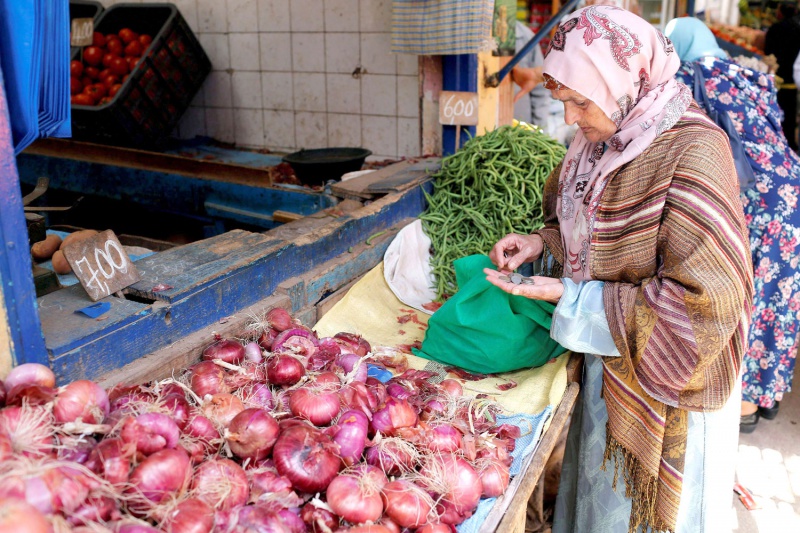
282,432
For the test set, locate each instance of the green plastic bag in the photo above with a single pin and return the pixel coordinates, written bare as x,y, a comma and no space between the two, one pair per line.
484,329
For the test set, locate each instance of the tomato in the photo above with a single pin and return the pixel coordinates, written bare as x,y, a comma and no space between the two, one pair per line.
106,72
75,86
82,99
91,72
98,39
127,35
92,55
132,62
119,67
133,49
114,46
95,91
75,69
114,89
145,40
86,80
109,81
104,100
107,59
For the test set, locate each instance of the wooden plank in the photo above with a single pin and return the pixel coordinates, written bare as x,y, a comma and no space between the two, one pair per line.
187,350
575,367
285,216
409,177
357,187
153,161
506,511
101,264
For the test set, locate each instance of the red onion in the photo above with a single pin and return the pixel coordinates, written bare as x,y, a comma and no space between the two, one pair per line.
71,448
327,351
395,390
179,409
394,415
221,483
461,483
353,343
226,350
448,514
494,478
452,387
350,433
307,457
392,455
356,499
135,528
94,509
208,378
442,438
279,319
348,362
406,503
17,516
257,519
161,476
297,341
2,394
390,524
221,408
111,459
257,395
190,516
371,528
434,528
252,352
150,432
30,374
290,518
251,434
265,481
29,428
6,449
30,394
81,401
377,388
318,519
284,369
266,339
202,428
314,405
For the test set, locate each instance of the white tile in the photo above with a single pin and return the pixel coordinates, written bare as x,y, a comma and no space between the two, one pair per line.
309,91
407,64
344,94
341,15
311,130
376,53
273,15
344,130
276,52
217,49
188,9
248,128
242,16
342,52
307,15
408,96
279,130
193,123
379,134
219,124
246,90
308,52
276,90
245,51
379,95
375,15
212,16
408,137
217,89
199,99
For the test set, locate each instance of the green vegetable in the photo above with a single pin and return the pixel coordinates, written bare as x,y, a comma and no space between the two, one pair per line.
374,236
491,187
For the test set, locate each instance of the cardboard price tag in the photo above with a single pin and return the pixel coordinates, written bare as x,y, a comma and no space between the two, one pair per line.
101,265
81,32
458,108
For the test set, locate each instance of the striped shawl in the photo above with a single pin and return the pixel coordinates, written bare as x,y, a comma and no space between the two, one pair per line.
670,243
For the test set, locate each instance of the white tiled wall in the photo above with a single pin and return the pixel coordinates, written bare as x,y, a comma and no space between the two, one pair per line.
283,76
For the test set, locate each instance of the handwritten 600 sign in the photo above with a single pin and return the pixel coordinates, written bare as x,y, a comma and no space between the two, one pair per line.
101,264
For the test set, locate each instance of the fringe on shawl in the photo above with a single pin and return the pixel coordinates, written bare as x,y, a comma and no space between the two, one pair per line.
640,486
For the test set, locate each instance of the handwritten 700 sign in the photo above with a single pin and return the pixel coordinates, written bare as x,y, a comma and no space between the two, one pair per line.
101,264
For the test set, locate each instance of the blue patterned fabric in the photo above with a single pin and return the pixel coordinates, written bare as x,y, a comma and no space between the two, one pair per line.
773,219
440,27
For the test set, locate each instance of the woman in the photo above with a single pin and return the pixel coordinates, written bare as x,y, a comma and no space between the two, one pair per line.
770,211
644,216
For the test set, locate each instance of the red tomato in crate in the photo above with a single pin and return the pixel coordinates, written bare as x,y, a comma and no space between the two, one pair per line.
75,86
133,49
106,72
112,92
104,100
107,59
86,80
110,81
132,63
91,72
92,55
95,91
75,69
98,39
119,67
127,35
115,46
82,99
145,40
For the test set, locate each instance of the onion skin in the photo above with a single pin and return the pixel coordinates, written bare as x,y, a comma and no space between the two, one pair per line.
226,350
495,477
222,408
406,504
284,369
161,476
208,378
350,433
81,401
6,450
252,434
353,343
307,457
111,459
2,394
319,408
221,483
279,319
318,519
190,516
351,500
257,395
452,387
394,415
443,438
30,374
463,482
266,339
435,528
135,528
372,528
252,352
73,449
296,338
179,408
150,432
17,516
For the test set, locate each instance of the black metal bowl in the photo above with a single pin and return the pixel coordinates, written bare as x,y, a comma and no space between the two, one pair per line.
315,167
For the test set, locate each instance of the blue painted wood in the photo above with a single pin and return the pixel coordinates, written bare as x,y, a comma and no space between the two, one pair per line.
18,292
459,73
172,193
244,268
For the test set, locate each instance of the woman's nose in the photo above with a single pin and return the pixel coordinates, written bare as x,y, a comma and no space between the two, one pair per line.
570,116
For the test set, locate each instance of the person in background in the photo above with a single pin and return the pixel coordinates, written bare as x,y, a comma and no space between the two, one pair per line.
644,223
783,41
535,108
770,208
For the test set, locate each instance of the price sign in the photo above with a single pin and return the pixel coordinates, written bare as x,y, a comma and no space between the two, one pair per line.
81,32
458,108
101,265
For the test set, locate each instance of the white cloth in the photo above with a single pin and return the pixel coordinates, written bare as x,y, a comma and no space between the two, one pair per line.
579,320
796,69
407,267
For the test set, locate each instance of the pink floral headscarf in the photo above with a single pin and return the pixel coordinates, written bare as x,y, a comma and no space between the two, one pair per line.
627,67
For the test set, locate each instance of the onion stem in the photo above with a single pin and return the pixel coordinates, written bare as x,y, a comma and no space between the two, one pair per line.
188,390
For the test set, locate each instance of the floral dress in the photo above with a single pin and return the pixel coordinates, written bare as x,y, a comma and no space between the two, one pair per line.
772,217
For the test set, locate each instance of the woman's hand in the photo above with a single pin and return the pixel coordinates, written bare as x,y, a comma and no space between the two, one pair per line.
547,289
527,79
513,250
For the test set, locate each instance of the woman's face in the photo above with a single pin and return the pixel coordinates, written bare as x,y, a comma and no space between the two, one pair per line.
578,109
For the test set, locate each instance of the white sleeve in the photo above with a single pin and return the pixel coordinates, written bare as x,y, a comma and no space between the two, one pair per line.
579,321
796,69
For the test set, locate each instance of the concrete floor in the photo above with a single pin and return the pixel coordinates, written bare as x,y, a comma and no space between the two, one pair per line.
769,466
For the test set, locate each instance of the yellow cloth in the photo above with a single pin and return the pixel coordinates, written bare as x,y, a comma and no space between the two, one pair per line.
371,310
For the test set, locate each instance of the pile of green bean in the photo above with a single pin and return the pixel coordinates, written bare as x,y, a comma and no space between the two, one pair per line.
491,187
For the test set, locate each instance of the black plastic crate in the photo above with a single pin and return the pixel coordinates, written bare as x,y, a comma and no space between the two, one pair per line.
83,9
160,87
